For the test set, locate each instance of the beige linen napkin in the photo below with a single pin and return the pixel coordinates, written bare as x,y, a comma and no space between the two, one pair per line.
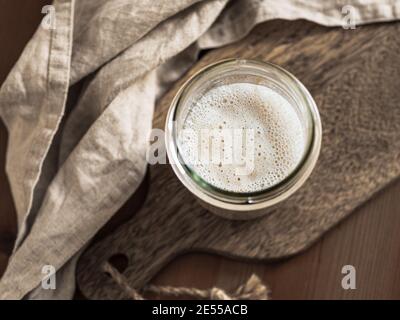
70,174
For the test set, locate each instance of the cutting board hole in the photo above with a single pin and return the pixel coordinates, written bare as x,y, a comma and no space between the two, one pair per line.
119,261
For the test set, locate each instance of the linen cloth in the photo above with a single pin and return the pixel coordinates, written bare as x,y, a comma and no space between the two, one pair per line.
70,172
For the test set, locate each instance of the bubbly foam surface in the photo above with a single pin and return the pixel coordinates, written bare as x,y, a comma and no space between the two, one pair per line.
248,120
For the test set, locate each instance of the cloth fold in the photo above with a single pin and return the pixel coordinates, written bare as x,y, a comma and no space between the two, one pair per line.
69,175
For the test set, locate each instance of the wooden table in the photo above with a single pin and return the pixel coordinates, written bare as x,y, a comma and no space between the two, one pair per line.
368,240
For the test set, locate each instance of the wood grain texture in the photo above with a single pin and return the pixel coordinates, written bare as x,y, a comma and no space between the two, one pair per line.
369,239
352,76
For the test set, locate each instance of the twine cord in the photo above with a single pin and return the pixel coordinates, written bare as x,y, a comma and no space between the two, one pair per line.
253,289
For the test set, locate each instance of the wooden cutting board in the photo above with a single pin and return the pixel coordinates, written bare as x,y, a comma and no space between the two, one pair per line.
354,78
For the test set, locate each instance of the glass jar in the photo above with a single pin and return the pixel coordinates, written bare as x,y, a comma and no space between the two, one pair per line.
236,205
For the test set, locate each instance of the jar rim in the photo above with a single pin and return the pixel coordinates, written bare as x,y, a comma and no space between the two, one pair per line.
245,201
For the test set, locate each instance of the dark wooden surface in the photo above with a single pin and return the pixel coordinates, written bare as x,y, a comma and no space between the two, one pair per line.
369,239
